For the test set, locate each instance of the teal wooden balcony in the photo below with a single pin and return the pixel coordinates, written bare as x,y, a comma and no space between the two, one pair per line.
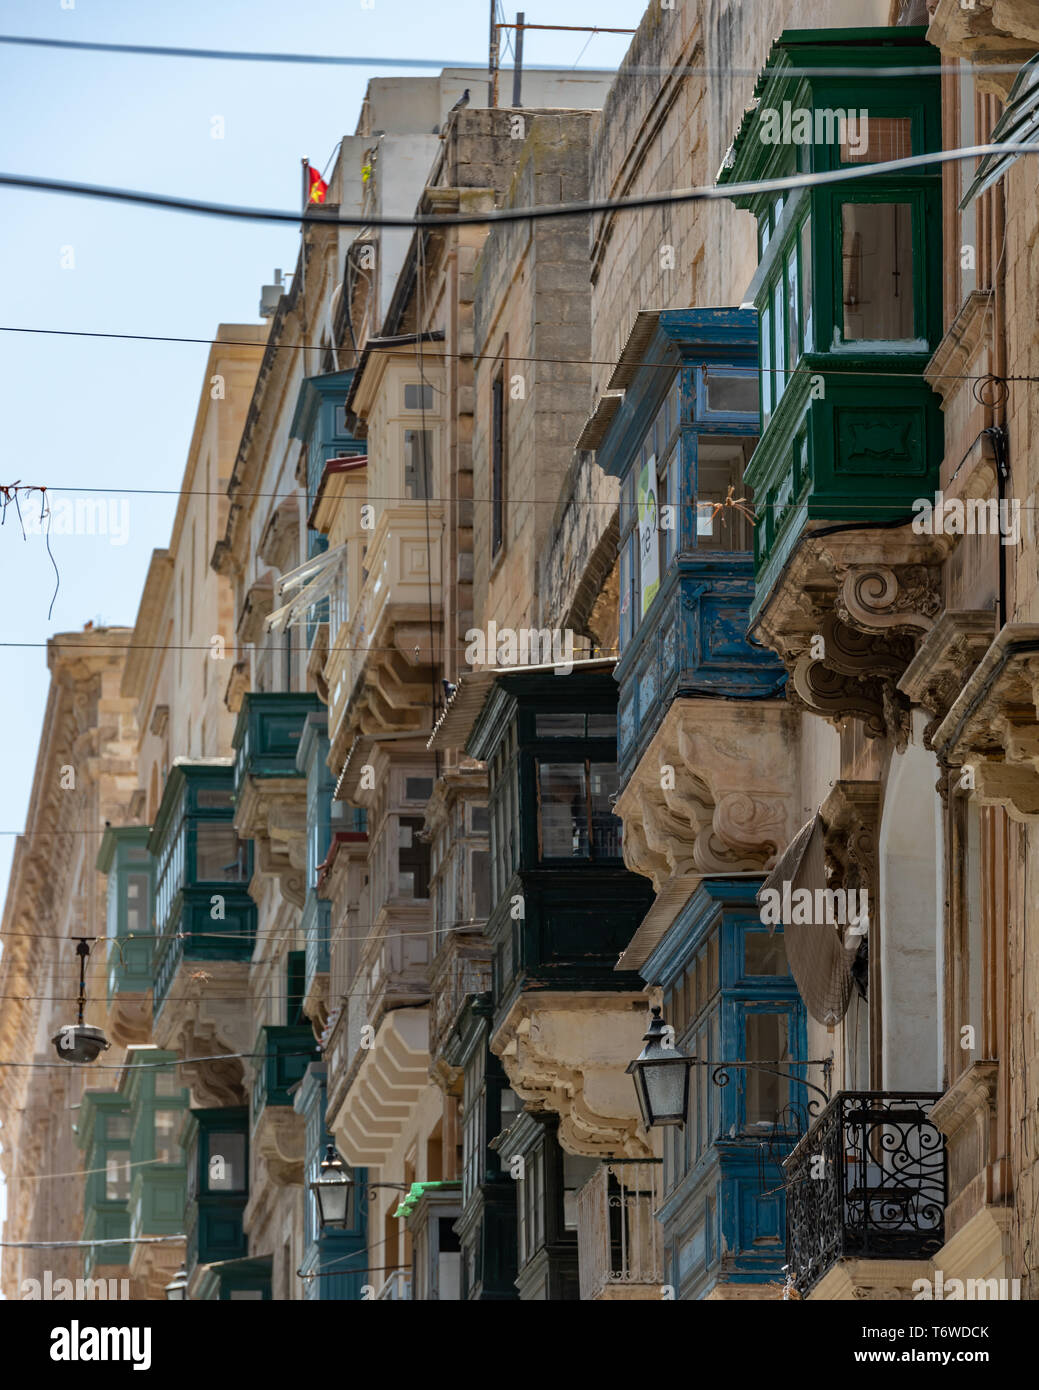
268,732
103,1132
216,1144
848,289
286,1053
158,1182
203,910
124,858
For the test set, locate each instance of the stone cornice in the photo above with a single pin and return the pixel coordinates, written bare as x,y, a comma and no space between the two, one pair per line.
987,31
993,725
969,332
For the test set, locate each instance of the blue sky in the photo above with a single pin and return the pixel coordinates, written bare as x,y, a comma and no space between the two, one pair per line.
88,412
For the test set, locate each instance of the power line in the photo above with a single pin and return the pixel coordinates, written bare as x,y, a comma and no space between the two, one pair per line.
407,354
80,1244
154,1066
352,60
700,193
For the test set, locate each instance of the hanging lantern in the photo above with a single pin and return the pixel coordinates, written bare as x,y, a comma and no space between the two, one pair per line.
80,1042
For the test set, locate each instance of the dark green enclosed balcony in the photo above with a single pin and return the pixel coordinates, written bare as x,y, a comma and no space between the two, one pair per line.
566,906
203,911
268,733
283,1055
216,1145
848,289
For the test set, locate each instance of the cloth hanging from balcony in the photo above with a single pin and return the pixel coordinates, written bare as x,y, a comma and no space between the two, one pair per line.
308,584
820,946
1018,125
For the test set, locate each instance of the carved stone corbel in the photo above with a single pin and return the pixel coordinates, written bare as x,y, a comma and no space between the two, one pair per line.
992,727
714,791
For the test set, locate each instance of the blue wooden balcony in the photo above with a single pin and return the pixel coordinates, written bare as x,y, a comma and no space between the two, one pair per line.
679,440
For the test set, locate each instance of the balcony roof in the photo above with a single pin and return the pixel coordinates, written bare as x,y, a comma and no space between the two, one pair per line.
456,723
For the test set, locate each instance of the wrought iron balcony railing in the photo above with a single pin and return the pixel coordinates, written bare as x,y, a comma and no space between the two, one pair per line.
868,1181
619,1240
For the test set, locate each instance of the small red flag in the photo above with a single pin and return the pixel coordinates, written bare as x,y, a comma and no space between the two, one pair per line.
318,190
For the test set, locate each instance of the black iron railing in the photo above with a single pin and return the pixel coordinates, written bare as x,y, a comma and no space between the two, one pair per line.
868,1181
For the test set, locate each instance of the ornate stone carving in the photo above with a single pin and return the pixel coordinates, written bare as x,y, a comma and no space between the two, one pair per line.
947,656
992,727
279,1137
567,1053
846,630
713,792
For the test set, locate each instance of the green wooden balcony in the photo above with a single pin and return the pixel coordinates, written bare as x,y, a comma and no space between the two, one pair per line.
203,910
216,1144
848,289
125,860
268,733
103,1132
283,1055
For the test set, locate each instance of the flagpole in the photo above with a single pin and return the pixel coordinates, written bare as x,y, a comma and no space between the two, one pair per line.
305,163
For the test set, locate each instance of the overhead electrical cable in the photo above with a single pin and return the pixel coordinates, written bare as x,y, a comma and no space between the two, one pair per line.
699,193
231,55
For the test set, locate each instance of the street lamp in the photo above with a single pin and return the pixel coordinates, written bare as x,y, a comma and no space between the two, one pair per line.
80,1042
177,1289
661,1073
333,1190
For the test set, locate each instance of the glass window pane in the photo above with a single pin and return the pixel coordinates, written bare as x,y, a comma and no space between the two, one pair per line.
807,331
559,726
418,788
602,726
418,397
220,856
564,810
167,1084
779,340
117,1127
730,393
167,1126
875,139
793,331
765,954
719,466
226,1163
877,241
766,365
481,884
767,1041
117,1177
606,827
418,464
213,799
